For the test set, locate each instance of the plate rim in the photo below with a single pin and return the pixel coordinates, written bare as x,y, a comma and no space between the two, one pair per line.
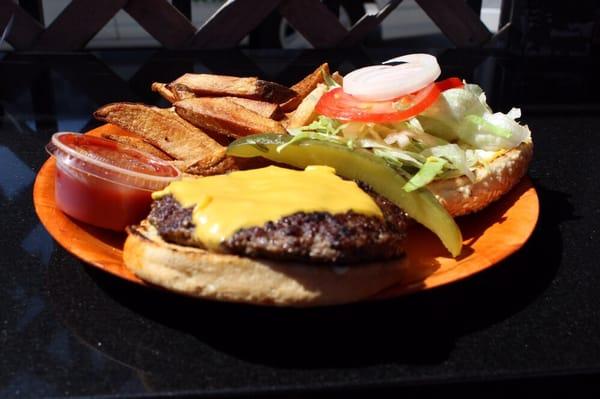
433,280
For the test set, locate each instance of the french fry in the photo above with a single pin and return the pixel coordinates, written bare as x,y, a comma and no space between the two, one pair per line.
305,113
338,78
225,165
164,129
304,87
172,93
225,117
221,86
177,92
263,108
164,91
138,144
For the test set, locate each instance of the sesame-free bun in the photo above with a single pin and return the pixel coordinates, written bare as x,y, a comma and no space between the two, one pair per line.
460,196
224,277
232,278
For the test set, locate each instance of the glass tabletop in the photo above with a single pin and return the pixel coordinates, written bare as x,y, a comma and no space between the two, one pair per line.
69,330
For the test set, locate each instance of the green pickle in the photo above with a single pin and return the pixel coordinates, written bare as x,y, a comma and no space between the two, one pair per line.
356,164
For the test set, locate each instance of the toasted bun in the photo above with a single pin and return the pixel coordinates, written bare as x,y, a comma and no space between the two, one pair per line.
460,196
232,278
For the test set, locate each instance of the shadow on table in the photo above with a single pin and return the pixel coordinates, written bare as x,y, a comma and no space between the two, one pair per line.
416,329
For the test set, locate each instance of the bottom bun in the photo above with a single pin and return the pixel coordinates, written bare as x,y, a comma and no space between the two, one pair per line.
461,196
233,278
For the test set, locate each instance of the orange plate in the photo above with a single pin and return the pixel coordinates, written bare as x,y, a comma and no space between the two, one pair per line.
489,236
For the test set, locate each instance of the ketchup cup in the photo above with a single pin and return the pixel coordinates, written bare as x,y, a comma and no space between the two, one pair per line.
104,183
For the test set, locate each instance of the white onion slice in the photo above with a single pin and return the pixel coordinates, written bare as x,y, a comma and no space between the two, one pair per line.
386,82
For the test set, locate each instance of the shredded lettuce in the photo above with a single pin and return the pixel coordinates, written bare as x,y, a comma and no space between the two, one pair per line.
302,135
401,157
426,174
324,129
407,135
482,124
463,114
456,156
365,130
514,113
403,145
492,132
469,135
444,116
323,125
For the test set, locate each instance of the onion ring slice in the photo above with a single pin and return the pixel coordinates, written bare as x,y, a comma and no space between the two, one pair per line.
386,82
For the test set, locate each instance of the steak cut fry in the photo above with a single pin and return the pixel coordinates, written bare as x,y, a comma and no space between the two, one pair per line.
305,86
164,129
138,144
172,93
178,92
225,117
221,85
338,78
306,113
263,108
164,91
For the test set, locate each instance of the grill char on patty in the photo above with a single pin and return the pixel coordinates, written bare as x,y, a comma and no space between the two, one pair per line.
317,237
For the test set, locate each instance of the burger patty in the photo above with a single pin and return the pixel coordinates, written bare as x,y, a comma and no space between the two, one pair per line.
317,237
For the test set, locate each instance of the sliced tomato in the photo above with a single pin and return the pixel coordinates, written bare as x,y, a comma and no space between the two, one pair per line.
450,83
342,106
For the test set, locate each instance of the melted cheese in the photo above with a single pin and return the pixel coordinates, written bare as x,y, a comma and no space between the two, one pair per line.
226,203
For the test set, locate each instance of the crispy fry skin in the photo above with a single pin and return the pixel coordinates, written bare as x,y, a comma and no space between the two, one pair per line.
164,91
263,108
225,117
138,144
305,113
172,93
304,87
338,78
221,85
225,165
164,129
177,92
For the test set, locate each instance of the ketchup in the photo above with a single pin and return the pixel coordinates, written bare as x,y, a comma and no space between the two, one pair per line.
104,183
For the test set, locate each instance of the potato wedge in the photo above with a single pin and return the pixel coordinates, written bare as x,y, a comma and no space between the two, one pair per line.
164,91
176,93
221,85
225,117
225,165
305,113
304,87
338,78
164,129
263,108
139,144
172,93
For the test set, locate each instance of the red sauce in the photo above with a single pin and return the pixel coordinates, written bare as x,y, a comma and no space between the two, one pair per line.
101,195
116,154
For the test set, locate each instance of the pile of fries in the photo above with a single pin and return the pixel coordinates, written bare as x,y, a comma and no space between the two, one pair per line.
208,111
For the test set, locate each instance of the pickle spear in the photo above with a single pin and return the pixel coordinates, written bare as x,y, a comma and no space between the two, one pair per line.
355,164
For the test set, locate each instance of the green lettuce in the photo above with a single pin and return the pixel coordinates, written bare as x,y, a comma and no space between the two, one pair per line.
493,132
456,156
426,174
462,114
445,115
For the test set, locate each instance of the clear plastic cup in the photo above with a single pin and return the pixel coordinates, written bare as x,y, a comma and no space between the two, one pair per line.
104,183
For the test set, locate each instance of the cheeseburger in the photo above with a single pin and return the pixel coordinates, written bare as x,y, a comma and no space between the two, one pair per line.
326,223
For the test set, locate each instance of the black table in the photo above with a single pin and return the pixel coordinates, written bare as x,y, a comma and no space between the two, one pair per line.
531,323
